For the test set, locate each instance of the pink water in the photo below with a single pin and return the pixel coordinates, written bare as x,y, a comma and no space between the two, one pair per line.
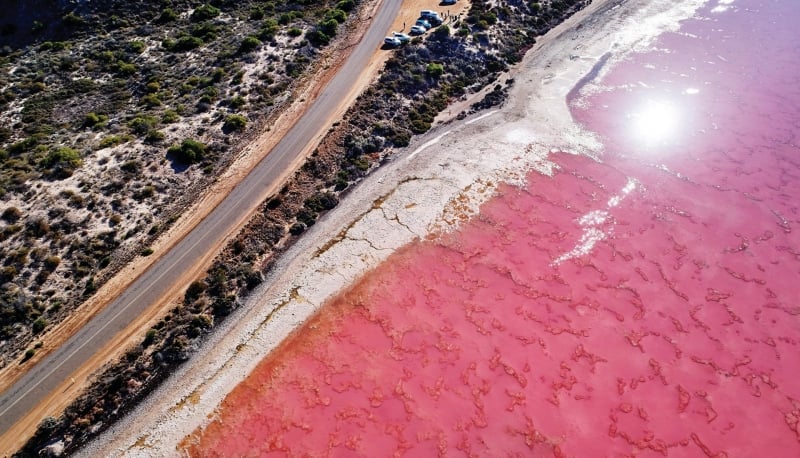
642,305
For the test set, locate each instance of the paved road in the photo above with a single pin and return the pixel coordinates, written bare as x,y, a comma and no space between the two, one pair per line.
42,379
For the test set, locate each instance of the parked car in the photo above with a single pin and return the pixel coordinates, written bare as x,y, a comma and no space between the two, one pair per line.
449,2
392,41
431,16
423,23
402,37
418,30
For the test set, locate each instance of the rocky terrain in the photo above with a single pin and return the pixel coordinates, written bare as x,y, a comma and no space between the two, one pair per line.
463,56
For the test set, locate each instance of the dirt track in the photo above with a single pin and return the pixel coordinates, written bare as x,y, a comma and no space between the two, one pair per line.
72,385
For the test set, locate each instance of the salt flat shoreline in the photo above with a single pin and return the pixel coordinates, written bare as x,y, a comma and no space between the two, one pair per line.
430,187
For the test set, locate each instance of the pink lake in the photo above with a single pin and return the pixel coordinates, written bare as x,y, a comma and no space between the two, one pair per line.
646,304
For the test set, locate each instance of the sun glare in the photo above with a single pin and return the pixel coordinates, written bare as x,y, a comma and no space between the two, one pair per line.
655,122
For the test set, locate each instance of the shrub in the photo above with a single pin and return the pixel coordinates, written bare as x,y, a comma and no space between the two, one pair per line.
167,15
297,228
184,43
268,31
51,263
294,32
307,216
147,252
11,215
337,15
37,27
154,136
93,119
39,325
434,70
170,116
28,355
441,32
136,46
150,337
62,162
7,274
249,44
256,14
321,202
189,152
151,100
234,122
37,227
317,38
205,31
236,102
73,20
346,5
328,27
204,12
125,69
141,125
113,140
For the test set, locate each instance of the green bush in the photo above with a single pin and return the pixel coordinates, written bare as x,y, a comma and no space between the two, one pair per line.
113,140
294,32
205,31
61,163
441,32
236,102
249,44
183,44
170,116
188,152
435,70
204,12
136,46
167,15
154,136
73,20
151,100
28,354
317,38
337,15
328,27
124,68
234,122
39,325
256,14
346,5
141,125
93,119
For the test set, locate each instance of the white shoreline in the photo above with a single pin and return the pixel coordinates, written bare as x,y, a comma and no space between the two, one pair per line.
431,186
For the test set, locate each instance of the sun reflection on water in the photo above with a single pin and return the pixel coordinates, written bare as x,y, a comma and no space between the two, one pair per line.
655,122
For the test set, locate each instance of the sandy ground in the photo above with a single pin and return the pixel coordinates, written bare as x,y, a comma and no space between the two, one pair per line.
331,60
431,186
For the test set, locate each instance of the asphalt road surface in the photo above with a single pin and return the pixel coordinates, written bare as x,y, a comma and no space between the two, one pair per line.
42,379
